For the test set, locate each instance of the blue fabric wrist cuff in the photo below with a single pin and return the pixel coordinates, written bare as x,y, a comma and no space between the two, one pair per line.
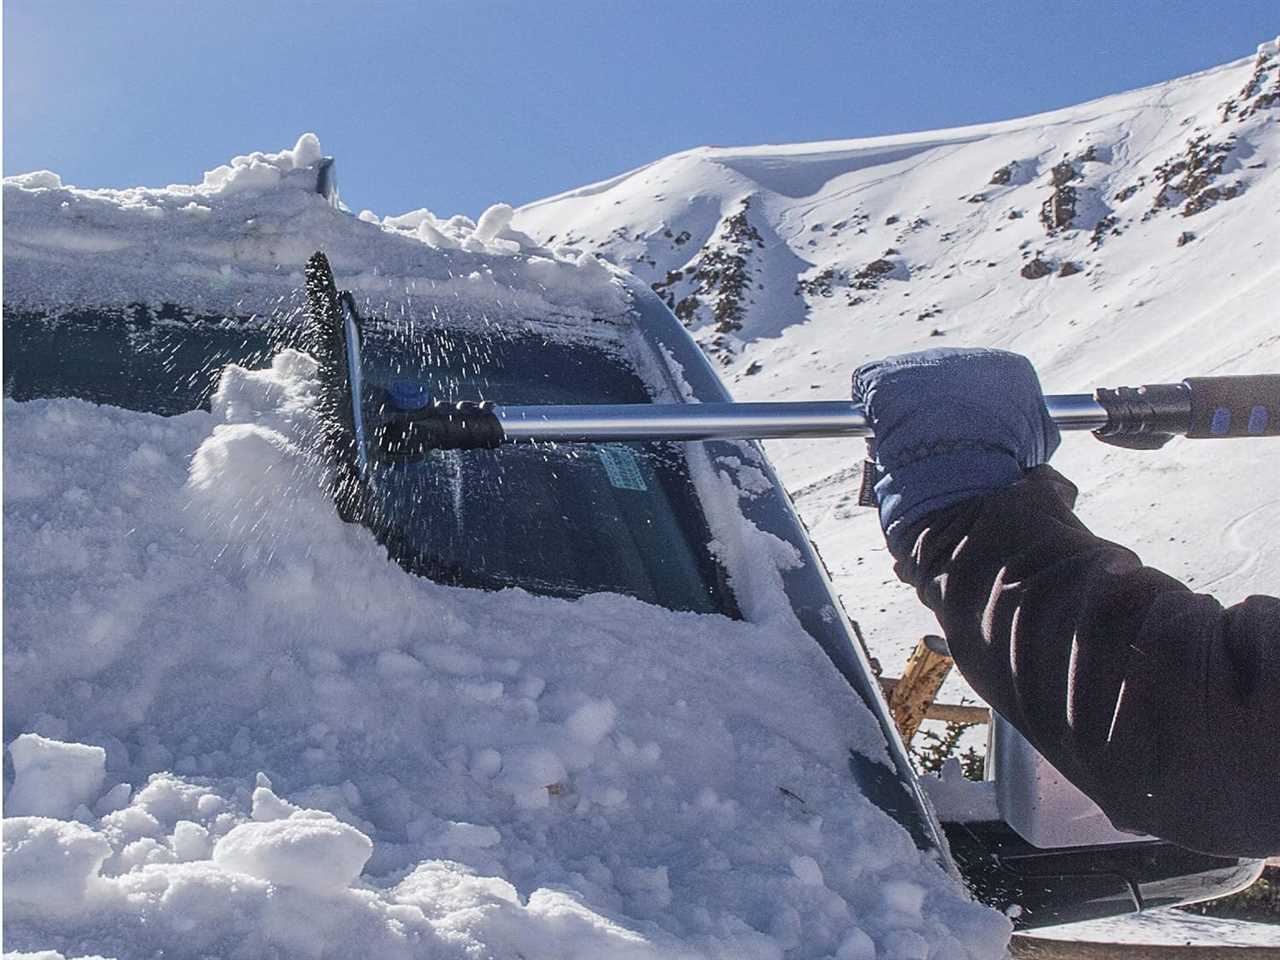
909,493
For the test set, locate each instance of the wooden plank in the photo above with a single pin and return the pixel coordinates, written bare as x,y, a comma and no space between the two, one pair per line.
958,713
947,712
916,689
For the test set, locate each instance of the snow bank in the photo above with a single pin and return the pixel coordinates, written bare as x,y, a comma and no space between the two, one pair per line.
258,736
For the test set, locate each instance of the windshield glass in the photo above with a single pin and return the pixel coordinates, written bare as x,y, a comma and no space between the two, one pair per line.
143,361
564,520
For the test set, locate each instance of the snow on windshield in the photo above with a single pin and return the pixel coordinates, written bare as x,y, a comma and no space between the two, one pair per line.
243,727
238,729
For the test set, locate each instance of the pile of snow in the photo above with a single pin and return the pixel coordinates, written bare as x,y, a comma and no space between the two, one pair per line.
492,232
239,730
235,245
261,171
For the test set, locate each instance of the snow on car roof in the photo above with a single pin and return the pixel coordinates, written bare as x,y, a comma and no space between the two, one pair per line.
235,244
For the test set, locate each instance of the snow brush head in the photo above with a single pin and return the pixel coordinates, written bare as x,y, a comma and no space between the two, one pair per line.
323,337
413,423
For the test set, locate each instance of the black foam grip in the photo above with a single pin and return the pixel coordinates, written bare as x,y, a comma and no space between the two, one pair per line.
1144,418
1234,406
464,425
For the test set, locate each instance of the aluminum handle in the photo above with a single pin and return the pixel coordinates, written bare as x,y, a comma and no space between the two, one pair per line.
578,423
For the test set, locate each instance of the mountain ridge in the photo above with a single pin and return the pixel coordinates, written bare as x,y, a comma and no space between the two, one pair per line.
663,218
1125,240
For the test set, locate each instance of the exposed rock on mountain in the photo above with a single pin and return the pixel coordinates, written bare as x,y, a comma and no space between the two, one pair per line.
1036,268
869,277
718,280
1262,90
1190,180
1004,174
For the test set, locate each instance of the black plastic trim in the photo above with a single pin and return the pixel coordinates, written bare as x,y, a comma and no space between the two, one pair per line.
327,182
1039,888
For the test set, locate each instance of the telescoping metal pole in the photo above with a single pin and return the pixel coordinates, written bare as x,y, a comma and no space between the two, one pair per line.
1140,417
578,423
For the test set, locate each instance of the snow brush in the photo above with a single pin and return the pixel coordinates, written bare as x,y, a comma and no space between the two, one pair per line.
1135,417
410,427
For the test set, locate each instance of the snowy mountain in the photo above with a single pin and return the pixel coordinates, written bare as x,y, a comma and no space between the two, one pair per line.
1127,240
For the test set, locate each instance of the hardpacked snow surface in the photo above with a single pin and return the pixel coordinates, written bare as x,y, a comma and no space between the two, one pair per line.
1172,927
236,729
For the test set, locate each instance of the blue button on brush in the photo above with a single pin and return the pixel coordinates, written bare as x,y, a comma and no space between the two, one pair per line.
409,394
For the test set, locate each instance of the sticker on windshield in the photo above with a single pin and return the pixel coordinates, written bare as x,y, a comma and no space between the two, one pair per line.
621,467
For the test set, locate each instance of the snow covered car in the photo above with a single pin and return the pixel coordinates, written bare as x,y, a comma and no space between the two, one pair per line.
656,521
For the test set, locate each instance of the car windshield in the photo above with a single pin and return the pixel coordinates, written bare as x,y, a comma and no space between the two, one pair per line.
564,520
143,361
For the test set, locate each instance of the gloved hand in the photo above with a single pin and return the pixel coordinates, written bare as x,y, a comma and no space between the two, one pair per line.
950,424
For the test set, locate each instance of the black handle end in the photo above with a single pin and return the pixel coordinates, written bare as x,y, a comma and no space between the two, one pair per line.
1223,407
410,435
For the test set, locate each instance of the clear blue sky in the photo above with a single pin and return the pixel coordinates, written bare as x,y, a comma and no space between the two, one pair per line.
454,104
